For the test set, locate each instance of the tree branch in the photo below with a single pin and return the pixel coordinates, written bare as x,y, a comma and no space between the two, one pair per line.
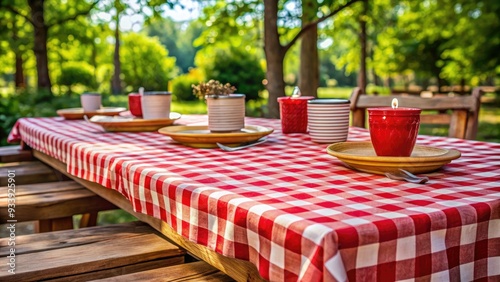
75,16
316,22
17,12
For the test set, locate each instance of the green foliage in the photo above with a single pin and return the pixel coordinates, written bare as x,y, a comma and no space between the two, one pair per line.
181,85
113,216
448,40
29,104
237,66
73,73
177,37
147,63
231,20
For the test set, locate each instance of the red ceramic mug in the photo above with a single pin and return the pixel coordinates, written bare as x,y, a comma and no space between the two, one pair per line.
394,131
134,104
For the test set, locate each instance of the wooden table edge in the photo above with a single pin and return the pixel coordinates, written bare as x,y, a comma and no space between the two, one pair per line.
239,270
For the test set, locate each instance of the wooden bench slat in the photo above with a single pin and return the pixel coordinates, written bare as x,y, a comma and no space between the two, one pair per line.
64,239
437,103
194,271
72,200
9,154
27,173
41,188
93,249
462,121
94,256
60,207
46,198
435,119
122,270
41,200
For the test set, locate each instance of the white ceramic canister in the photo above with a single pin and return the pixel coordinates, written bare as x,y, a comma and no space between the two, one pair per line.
156,104
90,102
226,113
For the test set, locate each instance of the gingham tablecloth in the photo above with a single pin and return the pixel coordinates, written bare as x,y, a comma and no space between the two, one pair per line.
293,210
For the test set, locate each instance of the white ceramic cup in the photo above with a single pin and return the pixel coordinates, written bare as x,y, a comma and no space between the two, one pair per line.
156,104
91,102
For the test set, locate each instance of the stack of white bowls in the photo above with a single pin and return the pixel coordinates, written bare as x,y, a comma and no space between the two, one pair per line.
328,120
156,105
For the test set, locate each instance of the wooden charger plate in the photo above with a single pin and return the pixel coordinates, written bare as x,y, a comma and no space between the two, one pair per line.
361,156
201,137
132,124
78,113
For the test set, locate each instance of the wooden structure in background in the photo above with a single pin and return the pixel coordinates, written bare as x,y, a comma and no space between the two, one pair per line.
461,113
45,195
101,252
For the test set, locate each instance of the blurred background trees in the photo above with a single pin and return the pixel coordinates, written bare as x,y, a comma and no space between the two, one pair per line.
75,46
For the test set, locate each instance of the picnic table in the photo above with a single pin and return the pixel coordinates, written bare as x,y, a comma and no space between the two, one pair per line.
286,210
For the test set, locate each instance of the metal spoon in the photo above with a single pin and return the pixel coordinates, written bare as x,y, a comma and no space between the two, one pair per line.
86,118
231,149
402,174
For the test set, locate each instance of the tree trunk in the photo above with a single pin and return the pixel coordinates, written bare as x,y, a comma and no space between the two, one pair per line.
93,59
116,83
462,86
440,82
40,44
309,61
19,71
19,76
275,55
362,38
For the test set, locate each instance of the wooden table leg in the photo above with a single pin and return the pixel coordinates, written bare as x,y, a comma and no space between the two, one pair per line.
88,219
56,224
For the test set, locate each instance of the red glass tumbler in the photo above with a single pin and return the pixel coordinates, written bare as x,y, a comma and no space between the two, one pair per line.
293,113
134,104
394,131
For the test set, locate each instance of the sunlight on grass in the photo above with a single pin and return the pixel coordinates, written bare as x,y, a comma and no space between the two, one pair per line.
337,92
490,115
108,217
189,107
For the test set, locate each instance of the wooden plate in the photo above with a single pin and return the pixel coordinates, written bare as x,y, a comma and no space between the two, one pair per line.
201,137
78,113
361,156
132,124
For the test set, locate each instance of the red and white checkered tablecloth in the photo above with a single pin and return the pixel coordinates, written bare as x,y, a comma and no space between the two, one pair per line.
293,210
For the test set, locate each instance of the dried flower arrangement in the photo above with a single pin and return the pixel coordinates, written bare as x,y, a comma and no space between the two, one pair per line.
212,88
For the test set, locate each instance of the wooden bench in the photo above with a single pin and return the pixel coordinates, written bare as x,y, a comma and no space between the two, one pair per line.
27,173
53,204
194,271
42,195
10,154
89,253
461,112
101,252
